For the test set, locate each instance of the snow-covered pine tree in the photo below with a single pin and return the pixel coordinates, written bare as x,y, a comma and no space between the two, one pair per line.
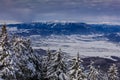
113,72
102,75
4,38
93,73
4,53
57,68
45,62
76,71
24,59
19,62
49,55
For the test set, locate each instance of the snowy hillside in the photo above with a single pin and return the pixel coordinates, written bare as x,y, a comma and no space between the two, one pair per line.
85,45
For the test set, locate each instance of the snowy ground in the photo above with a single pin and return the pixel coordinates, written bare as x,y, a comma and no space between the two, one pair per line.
85,45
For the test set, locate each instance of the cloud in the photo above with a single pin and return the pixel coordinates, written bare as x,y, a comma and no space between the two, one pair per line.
8,22
32,10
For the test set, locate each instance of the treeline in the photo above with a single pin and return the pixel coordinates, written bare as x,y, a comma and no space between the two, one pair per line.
18,61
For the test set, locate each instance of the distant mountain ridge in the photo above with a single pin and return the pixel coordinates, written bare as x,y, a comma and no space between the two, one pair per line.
59,28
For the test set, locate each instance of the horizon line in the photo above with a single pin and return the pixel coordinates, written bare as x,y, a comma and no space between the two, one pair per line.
57,21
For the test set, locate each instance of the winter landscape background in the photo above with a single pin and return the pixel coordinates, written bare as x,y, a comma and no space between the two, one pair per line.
87,39
60,40
59,51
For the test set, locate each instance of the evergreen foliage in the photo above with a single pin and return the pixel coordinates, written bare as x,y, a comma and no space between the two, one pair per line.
76,71
57,69
113,72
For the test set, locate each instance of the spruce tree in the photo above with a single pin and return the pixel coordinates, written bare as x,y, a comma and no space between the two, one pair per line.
44,64
113,72
4,42
4,53
57,68
76,71
93,72
24,59
17,61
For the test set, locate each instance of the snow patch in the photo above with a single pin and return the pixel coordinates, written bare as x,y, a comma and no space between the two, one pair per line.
30,66
85,45
0,48
12,29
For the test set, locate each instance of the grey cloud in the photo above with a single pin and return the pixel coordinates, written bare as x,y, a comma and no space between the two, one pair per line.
31,10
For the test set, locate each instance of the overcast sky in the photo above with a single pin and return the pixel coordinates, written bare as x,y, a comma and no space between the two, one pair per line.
89,11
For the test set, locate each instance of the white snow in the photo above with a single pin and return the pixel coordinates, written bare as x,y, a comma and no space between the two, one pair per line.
30,66
12,29
109,57
85,45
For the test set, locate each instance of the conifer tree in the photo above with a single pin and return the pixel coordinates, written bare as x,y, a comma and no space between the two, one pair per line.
20,63
93,72
4,38
24,59
5,53
49,55
57,69
113,72
45,64
76,71
4,30
17,60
